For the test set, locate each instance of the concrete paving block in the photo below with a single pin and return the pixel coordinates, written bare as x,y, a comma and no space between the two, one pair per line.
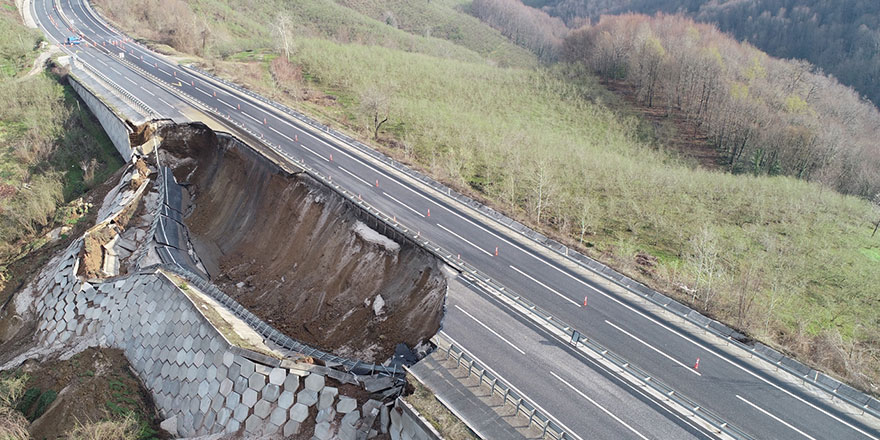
194,404
199,359
223,416
278,416
271,392
208,421
249,397
323,431
241,412
211,373
219,372
217,402
233,426
181,357
253,425
262,409
247,367
327,397
291,383
170,425
225,387
314,382
285,400
204,404
299,412
192,373
240,384
307,397
232,400
214,345
346,432
346,405
257,381
351,418
325,415
213,386
277,376
291,428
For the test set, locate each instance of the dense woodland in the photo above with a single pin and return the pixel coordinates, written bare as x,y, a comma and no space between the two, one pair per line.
842,37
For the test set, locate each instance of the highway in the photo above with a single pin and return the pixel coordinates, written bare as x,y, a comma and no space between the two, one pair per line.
761,404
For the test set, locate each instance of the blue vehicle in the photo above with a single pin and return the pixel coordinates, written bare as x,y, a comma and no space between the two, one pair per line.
74,40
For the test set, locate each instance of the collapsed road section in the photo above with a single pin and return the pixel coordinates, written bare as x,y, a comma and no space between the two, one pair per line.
296,254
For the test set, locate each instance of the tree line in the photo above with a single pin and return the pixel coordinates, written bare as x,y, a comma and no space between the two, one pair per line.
765,115
840,36
524,26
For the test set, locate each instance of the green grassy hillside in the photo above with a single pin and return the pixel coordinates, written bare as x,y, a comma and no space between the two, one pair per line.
790,262
51,149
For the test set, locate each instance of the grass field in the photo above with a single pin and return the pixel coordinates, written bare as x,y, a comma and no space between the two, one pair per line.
51,148
789,262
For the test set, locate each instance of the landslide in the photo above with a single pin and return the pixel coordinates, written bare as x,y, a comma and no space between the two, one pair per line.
294,253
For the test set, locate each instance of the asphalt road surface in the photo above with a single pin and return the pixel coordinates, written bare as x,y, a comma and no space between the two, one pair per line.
758,403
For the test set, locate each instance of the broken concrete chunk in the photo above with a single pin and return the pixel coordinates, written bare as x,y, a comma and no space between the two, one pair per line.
328,395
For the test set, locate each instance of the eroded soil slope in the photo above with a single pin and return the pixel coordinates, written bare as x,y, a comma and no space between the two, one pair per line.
294,253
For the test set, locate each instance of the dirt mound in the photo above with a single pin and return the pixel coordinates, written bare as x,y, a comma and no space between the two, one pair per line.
94,385
294,253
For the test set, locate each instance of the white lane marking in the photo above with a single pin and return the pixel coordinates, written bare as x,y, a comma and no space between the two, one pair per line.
547,287
99,60
654,348
687,338
255,119
166,102
774,417
316,154
204,92
464,239
151,93
494,373
281,134
404,204
228,104
163,71
129,79
492,331
599,406
353,175
118,72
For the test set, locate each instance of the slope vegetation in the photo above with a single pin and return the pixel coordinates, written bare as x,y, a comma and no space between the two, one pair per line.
51,149
790,262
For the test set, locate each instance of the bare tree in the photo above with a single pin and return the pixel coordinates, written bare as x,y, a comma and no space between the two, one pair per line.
283,25
876,204
376,104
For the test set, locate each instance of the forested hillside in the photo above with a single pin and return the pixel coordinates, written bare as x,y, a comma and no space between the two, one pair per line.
763,115
842,37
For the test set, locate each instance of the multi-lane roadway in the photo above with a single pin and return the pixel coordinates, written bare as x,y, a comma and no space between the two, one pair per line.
759,403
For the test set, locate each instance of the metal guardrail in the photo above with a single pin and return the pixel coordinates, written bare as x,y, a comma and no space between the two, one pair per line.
469,271
260,326
572,255
498,386
822,381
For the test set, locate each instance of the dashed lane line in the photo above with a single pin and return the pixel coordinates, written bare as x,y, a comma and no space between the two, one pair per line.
490,330
546,287
464,239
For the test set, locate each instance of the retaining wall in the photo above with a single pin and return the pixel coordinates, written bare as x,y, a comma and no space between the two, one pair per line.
201,383
115,127
408,424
